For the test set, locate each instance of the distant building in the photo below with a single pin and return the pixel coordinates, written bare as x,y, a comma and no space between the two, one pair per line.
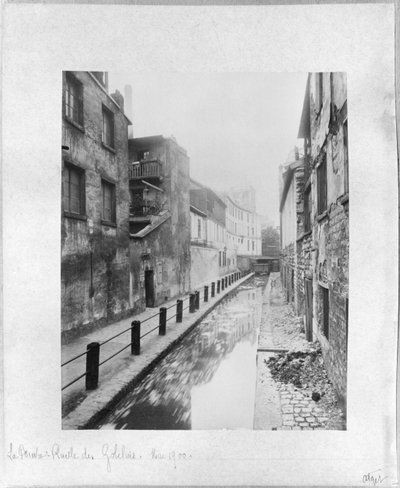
243,229
95,204
315,222
291,212
159,220
210,255
244,196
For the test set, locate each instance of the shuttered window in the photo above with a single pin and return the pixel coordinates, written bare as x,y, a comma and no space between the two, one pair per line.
73,189
108,208
73,99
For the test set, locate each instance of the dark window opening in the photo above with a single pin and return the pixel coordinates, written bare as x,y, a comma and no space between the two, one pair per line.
73,99
143,155
74,189
307,209
108,207
325,311
319,91
346,158
322,186
108,127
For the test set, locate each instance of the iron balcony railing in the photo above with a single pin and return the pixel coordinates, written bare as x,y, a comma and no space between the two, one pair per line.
145,169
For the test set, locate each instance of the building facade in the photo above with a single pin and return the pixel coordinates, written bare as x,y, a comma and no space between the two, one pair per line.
159,221
95,204
319,283
243,229
210,254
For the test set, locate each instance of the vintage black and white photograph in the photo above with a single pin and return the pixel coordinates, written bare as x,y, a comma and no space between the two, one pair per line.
204,251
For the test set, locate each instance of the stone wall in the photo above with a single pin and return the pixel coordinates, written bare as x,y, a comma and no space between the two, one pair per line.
331,230
94,256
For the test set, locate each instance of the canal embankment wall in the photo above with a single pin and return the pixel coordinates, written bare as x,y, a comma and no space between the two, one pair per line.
128,370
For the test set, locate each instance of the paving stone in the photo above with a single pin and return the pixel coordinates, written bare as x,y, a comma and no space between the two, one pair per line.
287,417
303,424
290,423
310,419
287,408
299,419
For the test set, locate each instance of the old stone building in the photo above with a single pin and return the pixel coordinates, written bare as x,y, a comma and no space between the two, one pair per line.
95,204
291,226
319,277
159,221
211,256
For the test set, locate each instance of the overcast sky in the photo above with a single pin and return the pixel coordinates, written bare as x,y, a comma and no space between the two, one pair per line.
236,127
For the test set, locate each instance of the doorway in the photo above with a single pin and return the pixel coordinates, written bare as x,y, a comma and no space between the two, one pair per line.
149,287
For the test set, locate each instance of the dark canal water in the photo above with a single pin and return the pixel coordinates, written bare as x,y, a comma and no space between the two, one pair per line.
209,380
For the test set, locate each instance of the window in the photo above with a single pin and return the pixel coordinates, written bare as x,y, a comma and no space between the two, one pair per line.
345,158
108,209
322,186
73,190
324,293
73,99
199,228
319,91
253,245
307,209
108,127
143,155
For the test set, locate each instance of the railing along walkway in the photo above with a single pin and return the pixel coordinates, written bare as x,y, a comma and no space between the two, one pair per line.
89,360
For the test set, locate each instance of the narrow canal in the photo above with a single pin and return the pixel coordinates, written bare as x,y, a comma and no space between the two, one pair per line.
209,380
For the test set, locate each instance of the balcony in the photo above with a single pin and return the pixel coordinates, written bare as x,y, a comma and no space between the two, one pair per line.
150,168
141,207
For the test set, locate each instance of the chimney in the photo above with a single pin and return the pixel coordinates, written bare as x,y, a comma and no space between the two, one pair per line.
129,107
117,96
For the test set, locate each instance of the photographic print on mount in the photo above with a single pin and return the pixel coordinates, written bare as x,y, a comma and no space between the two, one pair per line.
205,273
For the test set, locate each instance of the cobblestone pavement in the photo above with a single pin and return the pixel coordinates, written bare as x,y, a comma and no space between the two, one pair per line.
281,330
299,412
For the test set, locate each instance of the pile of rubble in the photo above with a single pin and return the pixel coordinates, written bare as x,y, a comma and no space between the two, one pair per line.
305,370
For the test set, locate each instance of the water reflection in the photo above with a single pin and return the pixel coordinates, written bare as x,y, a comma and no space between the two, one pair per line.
208,381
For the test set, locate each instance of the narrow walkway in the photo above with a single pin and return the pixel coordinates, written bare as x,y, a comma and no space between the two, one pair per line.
281,406
81,406
267,409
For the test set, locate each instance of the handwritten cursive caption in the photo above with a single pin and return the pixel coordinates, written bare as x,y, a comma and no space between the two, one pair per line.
110,453
374,478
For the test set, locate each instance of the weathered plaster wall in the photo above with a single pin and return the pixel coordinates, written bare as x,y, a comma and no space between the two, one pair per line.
166,249
94,257
204,265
